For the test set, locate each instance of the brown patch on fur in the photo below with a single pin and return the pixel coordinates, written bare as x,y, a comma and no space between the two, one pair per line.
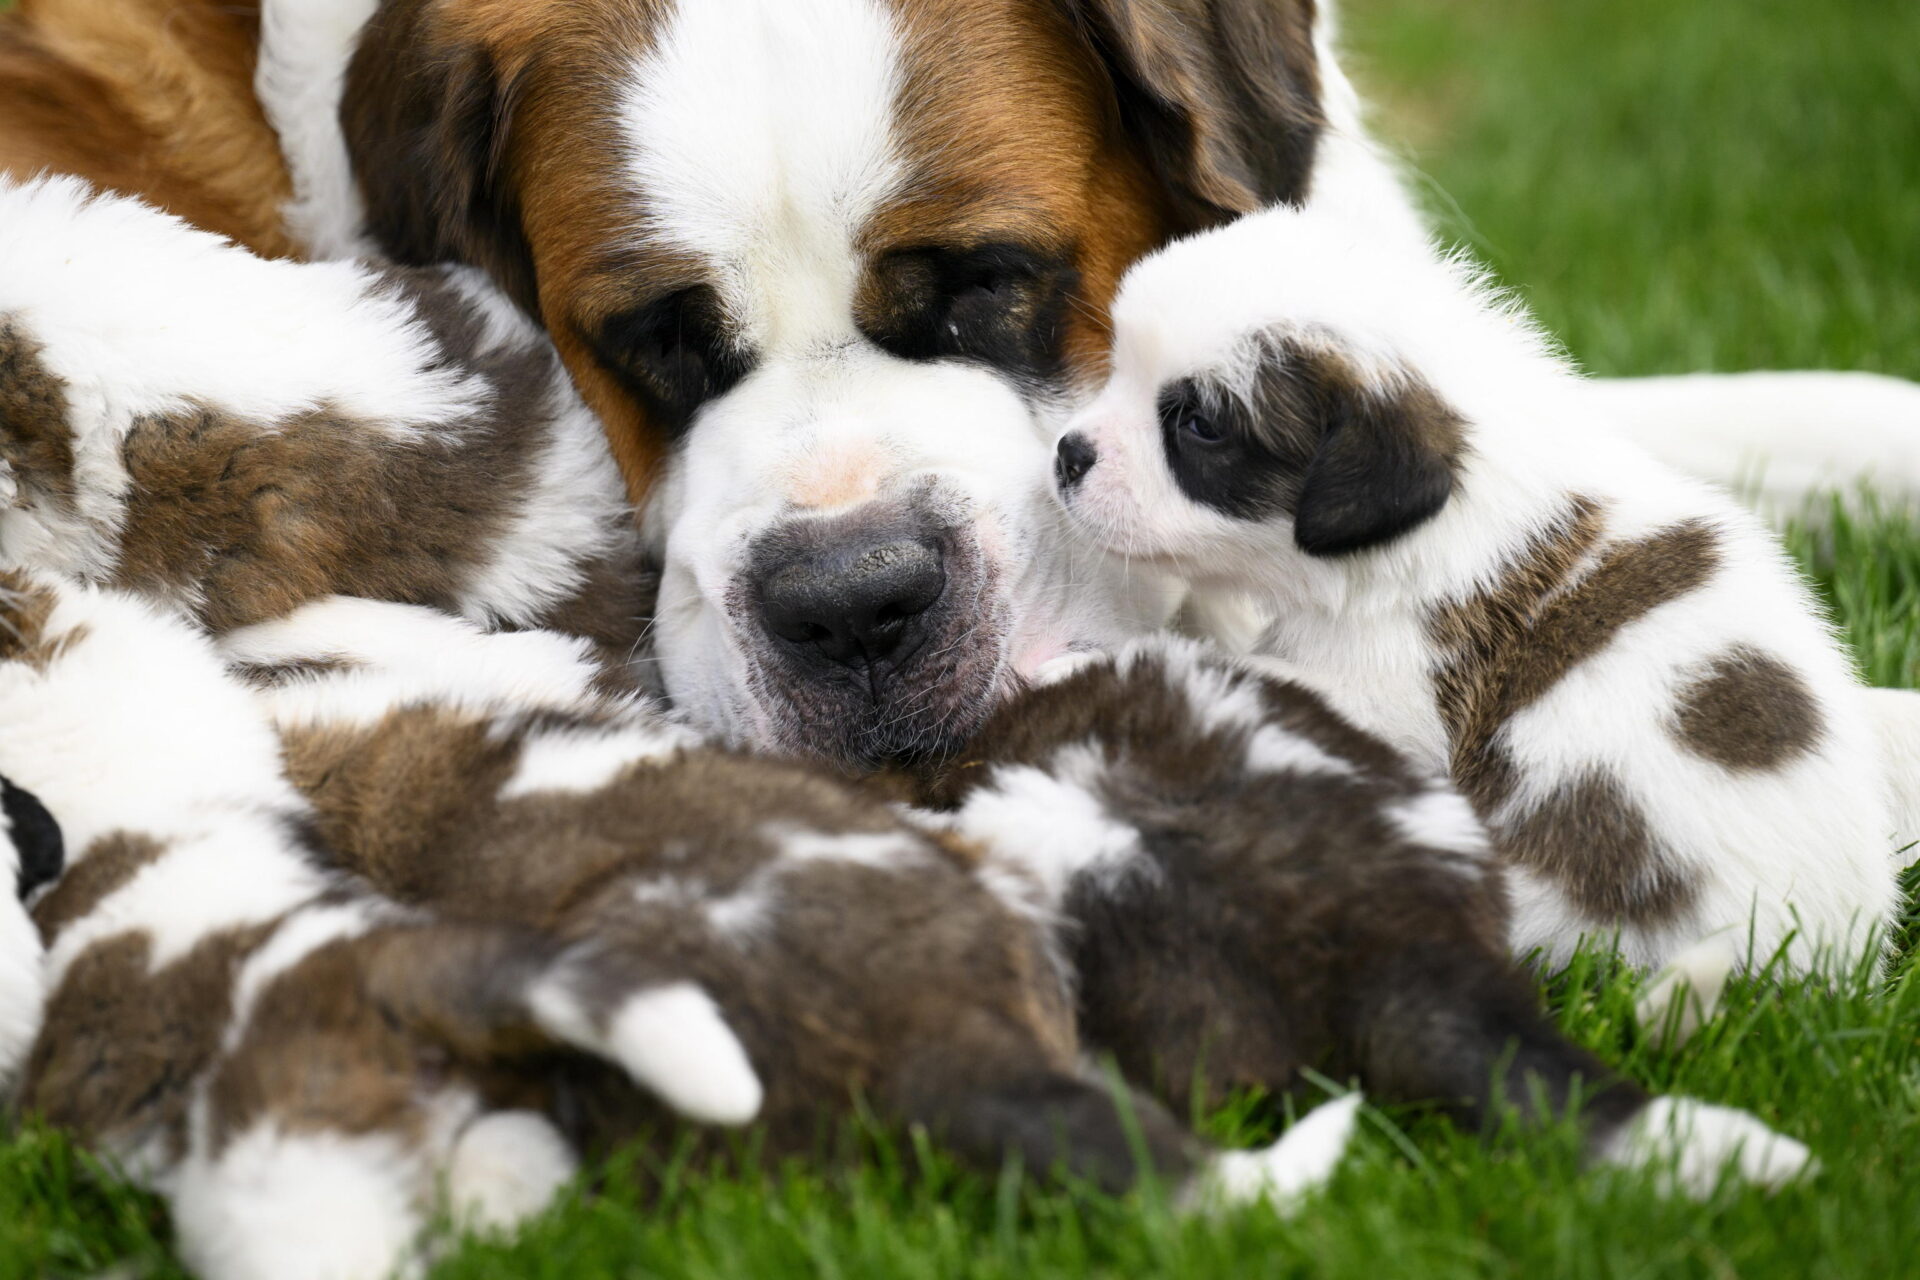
130,1042
1223,95
26,607
1590,839
151,98
102,870
36,440
356,1035
251,520
1506,648
1748,711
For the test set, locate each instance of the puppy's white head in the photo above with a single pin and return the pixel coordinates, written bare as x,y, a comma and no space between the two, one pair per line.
1283,391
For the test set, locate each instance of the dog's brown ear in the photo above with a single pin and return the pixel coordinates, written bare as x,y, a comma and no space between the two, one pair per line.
427,122
1224,95
1385,465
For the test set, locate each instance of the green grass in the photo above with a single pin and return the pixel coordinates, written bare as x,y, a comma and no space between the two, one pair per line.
1675,186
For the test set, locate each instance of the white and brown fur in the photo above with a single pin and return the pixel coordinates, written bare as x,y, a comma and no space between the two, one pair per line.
1165,858
856,956
237,436
1244,885
1617,665
306,1070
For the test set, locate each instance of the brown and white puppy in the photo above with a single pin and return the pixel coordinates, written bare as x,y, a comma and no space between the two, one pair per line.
296,1063
236,436
148,98
857,957
1616,664
1243,884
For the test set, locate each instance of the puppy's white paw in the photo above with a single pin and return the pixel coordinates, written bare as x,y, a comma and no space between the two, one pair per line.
505,1167
1684,996
1689,1144
1285,1173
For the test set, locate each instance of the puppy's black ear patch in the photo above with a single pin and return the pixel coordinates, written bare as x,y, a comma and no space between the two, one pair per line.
36,838
1384,467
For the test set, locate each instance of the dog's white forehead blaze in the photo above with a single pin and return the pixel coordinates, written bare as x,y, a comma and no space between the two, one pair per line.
759,136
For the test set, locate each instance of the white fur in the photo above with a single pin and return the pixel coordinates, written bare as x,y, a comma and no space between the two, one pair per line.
1896,716
586,761
397,654
1684,996
299,71
673,1040
1285,1173
1051,827
1441,818
505,1167
1689,1146
1801,847
23,981
300,1206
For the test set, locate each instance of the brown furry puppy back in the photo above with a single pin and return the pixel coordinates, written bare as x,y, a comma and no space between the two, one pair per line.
1245,885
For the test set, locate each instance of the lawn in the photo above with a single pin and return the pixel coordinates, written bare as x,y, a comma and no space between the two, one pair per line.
1675,186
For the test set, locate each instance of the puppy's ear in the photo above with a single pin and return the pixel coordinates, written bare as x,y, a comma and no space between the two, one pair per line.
1223,95
428,119
1385,464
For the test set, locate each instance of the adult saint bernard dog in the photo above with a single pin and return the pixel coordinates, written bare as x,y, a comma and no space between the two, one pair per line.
830,272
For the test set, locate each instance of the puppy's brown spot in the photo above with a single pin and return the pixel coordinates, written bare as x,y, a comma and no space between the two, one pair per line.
1748,711
26,609
105,868
130,1041
1593,842
1507,647
36,440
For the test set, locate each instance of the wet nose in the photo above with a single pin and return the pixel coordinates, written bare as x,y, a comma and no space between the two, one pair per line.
853,601
1073,460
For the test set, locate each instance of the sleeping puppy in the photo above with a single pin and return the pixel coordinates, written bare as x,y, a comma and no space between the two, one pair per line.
1243,884
307,1071
856,956
1616,665
235,435
1231,882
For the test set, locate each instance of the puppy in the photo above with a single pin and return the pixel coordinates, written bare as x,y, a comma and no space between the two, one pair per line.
856,956
1616,665
1242,884
306,1070
236,436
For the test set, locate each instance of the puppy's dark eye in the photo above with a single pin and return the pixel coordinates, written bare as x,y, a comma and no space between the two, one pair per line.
1198,426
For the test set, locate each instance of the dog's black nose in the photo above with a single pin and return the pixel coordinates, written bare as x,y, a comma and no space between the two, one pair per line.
1073,460
853,601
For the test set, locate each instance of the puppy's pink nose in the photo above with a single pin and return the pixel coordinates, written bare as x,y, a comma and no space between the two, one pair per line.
1073,460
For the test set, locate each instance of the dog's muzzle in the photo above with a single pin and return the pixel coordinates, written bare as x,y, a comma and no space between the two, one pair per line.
879,638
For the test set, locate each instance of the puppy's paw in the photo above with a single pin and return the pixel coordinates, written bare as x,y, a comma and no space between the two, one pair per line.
1285,1173
1685,995
1689,1145
505,1167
